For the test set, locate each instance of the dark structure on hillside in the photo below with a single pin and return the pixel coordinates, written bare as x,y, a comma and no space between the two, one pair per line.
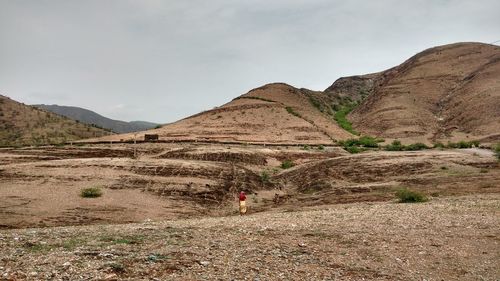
150,137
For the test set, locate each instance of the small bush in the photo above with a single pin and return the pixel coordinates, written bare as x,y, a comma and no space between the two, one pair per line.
463,144
264,177
353,149
368,141
416,146
321,147
408,196
306,147
397,146
91,192
439,145
287,164
394,146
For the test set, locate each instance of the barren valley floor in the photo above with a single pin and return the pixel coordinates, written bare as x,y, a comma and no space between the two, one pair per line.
169,213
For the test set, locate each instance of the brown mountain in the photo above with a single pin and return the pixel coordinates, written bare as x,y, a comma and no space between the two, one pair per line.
450,92
274,113
21,124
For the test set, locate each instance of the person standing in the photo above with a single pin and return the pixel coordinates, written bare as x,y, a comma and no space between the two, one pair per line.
243,206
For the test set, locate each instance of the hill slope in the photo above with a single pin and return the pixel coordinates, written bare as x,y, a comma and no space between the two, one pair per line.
89,117
274,113
26,125
450,92
446,93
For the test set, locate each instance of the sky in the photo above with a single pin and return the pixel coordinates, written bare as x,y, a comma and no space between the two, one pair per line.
160,61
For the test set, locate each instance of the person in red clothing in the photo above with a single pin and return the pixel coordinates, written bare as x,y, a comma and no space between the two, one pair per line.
243,206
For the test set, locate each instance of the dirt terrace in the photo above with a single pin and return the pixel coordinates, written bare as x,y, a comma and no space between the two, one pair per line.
41,187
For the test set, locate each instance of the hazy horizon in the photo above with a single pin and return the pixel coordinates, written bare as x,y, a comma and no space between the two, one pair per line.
160,61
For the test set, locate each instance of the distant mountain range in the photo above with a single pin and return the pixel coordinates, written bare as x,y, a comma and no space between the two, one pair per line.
89,117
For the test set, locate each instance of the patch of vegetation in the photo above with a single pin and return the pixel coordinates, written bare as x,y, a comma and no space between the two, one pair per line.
397,146
255,98
359,145
319,105
117,267
496,149
287,164
71,244
265,177
439,145
408,196
157,126
321,147
157,257
290,110
129,240
354,149
341,117
91,192
38,247
416,146
306,147
463,144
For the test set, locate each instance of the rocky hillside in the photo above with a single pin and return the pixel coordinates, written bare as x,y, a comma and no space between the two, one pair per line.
91,118
21,124
447,93
450,92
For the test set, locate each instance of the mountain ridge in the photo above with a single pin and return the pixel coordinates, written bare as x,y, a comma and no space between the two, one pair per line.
22,125
90,117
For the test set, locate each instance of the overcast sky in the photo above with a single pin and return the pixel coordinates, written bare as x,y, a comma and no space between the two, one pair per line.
164,60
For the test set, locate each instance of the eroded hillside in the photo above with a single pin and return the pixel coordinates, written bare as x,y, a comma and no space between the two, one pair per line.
445,93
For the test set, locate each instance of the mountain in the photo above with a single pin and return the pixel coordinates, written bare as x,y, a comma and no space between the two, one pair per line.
22,124
275,113
450,92
89,117
446,93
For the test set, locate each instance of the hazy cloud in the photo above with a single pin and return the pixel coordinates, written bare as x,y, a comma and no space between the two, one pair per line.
164,60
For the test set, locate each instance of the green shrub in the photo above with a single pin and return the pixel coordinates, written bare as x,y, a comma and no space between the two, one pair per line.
368,141
321,147
409,196
306,147
287,164
463,144
353,149
416,146
264,177
91,192
395,146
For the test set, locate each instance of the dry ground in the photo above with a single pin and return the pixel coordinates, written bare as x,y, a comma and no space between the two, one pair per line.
170,214
41,186
453,238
